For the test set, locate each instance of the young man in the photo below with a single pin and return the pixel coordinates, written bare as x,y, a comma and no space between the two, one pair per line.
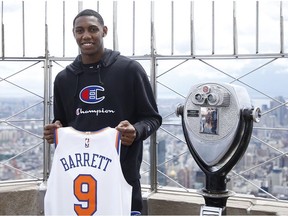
102,88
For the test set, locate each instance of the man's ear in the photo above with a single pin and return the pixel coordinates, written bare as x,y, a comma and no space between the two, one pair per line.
105,31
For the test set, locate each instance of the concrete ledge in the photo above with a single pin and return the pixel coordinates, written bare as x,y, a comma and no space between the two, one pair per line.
21,198
168,202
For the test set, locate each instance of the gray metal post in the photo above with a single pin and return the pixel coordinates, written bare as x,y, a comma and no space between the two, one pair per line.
115,35
153,146
47,103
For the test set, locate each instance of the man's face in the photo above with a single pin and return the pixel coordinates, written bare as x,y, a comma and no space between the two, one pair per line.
89,34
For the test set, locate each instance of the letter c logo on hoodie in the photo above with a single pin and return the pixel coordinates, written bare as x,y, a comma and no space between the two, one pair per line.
89,94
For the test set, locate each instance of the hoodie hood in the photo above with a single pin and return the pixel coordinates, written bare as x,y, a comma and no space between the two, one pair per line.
108,58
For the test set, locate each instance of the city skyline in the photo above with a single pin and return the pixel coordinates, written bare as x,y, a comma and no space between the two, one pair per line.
173,160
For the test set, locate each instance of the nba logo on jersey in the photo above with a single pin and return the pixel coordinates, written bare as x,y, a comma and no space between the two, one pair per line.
87,142
87,179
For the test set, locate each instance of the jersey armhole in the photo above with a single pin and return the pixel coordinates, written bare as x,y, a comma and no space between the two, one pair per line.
56,137
118,142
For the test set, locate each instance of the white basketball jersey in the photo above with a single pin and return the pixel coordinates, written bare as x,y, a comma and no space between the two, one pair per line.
86,176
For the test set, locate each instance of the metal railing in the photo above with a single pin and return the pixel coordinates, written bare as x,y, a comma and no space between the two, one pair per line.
178,48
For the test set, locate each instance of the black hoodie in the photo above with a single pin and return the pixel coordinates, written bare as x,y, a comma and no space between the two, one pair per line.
92,97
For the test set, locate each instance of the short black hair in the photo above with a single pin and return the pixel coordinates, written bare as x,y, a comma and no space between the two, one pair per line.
89,12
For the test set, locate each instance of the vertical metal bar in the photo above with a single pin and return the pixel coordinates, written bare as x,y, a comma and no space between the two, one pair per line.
115,36
213,28
281,30
153,146
257,27
133,30
63,26
46,33
46,121
23,28
2,32
153,48
80,6
192,27
46,151
172,27
235,36
47,112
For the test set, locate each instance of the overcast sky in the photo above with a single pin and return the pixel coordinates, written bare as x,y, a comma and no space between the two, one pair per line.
180,78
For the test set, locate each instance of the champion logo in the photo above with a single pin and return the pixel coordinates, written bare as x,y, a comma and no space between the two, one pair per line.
89,94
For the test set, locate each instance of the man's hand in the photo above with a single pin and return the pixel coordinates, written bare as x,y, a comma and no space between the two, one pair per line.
49,131
128,132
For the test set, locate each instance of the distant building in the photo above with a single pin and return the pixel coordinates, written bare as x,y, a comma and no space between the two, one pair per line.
200,179
184,177
281,112
276,177
8,133
161,160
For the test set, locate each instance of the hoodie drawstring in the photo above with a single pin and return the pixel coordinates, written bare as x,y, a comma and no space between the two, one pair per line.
99,75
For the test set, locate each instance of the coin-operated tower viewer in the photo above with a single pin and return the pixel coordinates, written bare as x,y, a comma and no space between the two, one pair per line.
217,122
